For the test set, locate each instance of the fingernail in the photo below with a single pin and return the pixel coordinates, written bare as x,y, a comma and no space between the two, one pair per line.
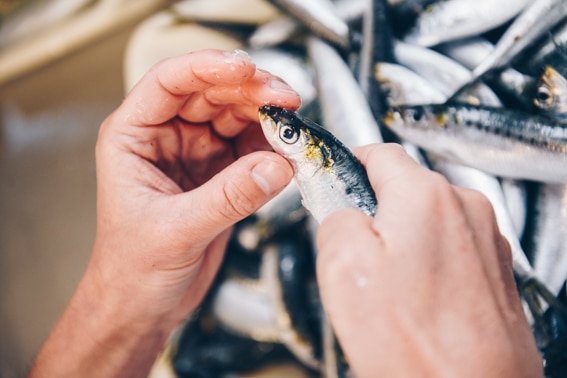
271,176
280,86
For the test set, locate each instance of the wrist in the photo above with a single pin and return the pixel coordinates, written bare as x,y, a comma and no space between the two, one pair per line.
99,335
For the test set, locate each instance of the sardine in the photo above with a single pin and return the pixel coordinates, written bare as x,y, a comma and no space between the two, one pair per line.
516,195
550,235
227,11
290,66
551,51
403,86
551,97
328,175
498,141
454,19
444,73
345,109
537,18
205,350
509,82
284,28
377,46
320,17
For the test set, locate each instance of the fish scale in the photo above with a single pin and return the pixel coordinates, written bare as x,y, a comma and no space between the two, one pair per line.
498,141
328,175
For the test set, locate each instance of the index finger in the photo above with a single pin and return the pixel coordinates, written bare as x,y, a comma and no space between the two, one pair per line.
163,90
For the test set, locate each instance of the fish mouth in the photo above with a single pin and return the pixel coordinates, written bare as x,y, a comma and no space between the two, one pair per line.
266,121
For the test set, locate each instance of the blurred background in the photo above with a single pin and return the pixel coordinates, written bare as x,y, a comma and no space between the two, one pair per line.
52,101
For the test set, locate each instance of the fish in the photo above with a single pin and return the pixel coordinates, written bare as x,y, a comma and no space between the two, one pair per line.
510,84
444,73
292,67
551,96
320,17
448,20
405,87
499,141
225,11
550,51
204,349
284,28
536,19
550,235
327,173
345,111
377,46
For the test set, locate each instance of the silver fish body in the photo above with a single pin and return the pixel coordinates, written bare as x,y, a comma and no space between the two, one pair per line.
290,66
405,87
282,29
498,141
328,175
455,19
346,112
319,16
537,18
550,51
444,73
550,235
472,51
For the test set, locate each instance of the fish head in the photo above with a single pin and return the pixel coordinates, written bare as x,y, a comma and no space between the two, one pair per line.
293,137
551,96
417,118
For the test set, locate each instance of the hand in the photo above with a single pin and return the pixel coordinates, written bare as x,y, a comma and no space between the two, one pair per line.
425,289
178,163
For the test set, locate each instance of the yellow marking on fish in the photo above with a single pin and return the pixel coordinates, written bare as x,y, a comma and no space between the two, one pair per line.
389,118
441,119
317,150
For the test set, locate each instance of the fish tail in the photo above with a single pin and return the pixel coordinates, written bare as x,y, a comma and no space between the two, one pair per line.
539,300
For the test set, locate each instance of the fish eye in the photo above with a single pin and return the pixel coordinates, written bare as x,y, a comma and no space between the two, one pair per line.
288,134
417,115
544,96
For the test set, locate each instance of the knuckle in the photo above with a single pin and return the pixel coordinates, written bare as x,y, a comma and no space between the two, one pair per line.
237,203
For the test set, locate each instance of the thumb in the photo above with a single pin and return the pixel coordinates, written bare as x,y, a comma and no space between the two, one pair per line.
238,191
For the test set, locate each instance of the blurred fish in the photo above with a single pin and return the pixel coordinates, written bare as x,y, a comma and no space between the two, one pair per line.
550,235
537,18
553,352
293,67
405,12
403,86
516,195
284,28
550,51
510,83
454,19
377,46
205,350
225,11
551,97
498,141
320,17
328,175
280,216
444,73
345,109
290,275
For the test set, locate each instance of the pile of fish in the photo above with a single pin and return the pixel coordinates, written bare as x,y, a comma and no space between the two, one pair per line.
475,90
